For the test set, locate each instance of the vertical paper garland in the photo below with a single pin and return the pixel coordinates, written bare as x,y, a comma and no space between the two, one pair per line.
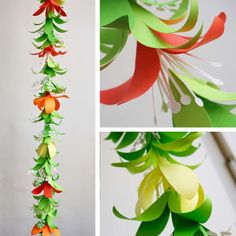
169,187
49,45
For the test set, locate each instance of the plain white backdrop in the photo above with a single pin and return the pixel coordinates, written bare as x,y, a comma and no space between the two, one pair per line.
139,112
119,188
17,146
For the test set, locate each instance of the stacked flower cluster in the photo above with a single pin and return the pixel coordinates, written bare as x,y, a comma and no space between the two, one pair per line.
169,188
185,89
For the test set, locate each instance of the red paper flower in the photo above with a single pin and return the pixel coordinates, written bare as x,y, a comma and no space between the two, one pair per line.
50,50
45,231
52,6
48,102
152,64
47,189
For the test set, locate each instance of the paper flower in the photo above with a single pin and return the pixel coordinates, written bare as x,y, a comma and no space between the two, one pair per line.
185,89
48,102
45,150
169,187
47,189
49,51
50,6
45,231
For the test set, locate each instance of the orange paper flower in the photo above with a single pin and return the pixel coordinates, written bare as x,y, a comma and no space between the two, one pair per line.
45,231
48,102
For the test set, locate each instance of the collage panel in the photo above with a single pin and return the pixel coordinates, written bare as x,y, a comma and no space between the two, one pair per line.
167,63
34,138
168,183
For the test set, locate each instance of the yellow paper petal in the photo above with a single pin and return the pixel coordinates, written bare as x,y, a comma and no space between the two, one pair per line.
179,204
187,205
146,190
52,150
181,178
42,150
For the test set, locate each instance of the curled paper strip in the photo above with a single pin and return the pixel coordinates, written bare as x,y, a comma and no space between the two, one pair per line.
49,45
185,89
169,187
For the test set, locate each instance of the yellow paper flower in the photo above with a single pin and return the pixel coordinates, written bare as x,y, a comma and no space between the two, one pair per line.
45,150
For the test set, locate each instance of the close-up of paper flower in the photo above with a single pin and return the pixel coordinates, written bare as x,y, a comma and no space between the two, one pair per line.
185,89
49,45
170,189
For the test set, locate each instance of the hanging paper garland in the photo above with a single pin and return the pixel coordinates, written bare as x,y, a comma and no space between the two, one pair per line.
194,99
49,45
169,188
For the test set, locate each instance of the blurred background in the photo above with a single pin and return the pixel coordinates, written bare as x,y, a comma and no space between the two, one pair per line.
17,146
139,112
119,187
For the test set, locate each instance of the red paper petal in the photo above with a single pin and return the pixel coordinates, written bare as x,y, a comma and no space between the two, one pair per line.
38,190
56,191
147,68
47,190
57,104
39,12
215,31
60,11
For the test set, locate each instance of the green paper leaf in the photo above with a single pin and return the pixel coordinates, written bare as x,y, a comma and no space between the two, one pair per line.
59,20
41,38
43,203
154,228
114,136
59,29
112,42
131,156
113,10
179,145
185,153
128,138
201,214
152,213
199,116
48,26
132,163
220,114
206,91
184,227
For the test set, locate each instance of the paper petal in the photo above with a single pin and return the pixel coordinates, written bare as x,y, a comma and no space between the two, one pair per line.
146,72
181,178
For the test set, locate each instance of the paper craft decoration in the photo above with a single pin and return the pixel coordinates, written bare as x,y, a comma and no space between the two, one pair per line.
49,45
169,189
193,96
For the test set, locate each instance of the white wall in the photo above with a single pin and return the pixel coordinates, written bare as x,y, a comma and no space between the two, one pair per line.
76,214
139,112
119,188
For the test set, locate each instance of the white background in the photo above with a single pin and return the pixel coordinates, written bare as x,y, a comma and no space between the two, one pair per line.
119,188
139,112
17,146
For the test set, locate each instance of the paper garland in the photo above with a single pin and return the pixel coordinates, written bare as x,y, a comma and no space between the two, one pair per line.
49,45
169,188
159,44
